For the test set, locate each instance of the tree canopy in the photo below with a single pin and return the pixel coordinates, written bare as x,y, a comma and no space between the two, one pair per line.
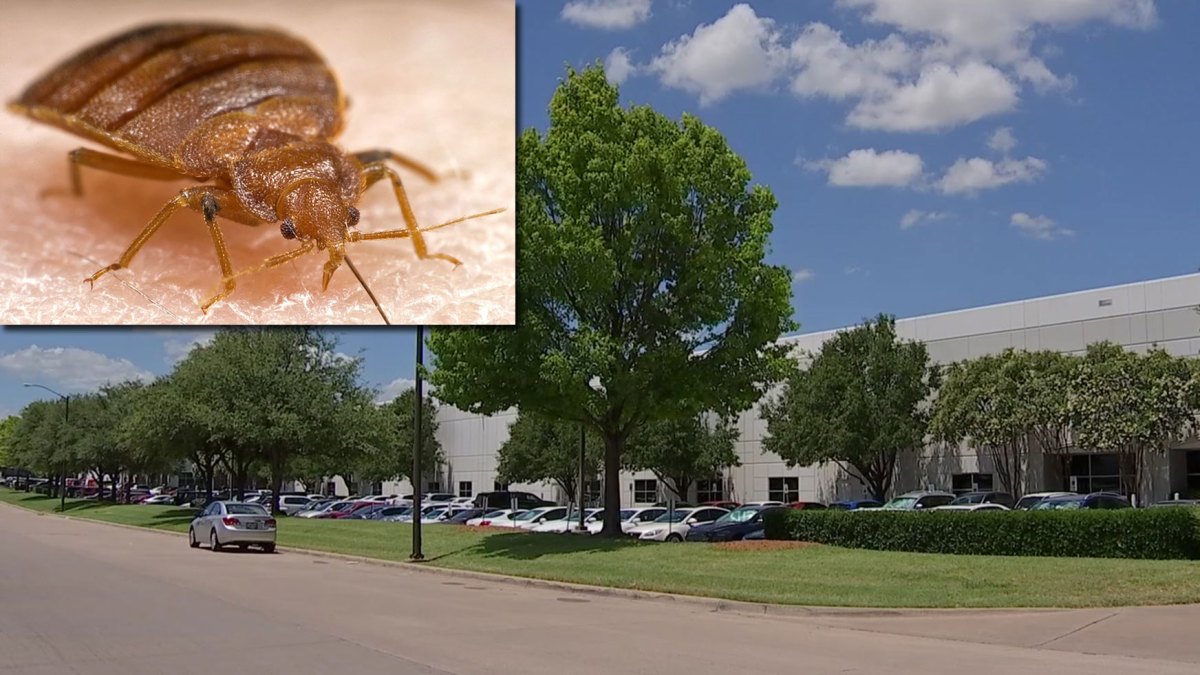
545,449
644,291
681,452
860,403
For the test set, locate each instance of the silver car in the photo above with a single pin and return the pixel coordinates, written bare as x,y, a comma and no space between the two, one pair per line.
233,524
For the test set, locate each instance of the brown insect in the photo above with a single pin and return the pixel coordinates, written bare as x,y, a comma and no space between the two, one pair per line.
248,112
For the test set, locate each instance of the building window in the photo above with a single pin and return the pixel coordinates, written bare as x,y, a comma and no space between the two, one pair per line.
1095,473
970,482
500,487
432,486
591,492
710,490
784,489
464,488
1193,474
645,491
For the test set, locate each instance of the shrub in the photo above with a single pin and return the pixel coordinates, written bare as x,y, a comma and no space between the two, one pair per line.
1163,534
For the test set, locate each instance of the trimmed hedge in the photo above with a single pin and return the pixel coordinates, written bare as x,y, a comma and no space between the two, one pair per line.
1162,533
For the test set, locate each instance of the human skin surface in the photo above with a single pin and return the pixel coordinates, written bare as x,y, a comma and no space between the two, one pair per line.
432,80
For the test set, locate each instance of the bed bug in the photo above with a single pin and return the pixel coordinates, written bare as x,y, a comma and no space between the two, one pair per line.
249,113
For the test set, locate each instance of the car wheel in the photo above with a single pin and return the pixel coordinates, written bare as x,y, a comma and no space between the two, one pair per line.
268,548
674,538
213,544
192,538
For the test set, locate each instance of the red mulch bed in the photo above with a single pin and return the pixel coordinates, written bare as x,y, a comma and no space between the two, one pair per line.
762,545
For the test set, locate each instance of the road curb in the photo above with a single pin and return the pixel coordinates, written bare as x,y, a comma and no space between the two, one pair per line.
700,602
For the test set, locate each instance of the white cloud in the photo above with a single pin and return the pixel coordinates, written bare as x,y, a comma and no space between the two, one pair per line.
975,174
607,14
854,269
618,67
69,368
830,67
739,51
943,96
802,275
394,388
1038,227
915,217
1002,140
178,346
868,168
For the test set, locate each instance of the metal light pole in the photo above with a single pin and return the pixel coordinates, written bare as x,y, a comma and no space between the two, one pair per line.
416,554
62,472
582,450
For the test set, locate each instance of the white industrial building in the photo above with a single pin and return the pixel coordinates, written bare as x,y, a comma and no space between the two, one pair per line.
1138,316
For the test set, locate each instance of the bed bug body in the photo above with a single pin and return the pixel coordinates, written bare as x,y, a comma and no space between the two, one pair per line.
249,113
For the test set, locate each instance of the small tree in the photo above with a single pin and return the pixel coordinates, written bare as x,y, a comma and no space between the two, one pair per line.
680,452
860,403
1131,404
388,453
545,449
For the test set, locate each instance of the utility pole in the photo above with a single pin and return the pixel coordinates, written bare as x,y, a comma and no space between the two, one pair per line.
418,409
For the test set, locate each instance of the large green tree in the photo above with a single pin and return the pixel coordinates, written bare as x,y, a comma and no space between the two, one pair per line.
1132,404
546,449
1001,403
171,426
644,291
96,429
6,430
389,457
861,402
680,452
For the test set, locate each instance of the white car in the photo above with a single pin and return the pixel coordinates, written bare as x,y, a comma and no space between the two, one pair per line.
570,521
673,526
159,499
972,507
534,517
1033,499
497,518
630,518
764,504
233,523
463,502
290,504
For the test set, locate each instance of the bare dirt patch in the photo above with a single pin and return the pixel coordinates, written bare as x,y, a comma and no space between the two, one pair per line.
763,545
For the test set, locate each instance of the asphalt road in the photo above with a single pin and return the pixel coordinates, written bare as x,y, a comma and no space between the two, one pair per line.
80,597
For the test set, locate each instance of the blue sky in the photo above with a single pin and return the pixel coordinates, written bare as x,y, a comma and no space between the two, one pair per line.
80,360
928,155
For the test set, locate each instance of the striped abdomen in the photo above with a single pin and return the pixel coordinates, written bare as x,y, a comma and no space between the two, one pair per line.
156,91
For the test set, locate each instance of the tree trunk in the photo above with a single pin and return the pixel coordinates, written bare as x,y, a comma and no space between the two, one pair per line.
613,444
276,480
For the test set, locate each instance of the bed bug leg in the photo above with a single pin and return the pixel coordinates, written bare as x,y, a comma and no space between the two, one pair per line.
375,172
80,157
378,156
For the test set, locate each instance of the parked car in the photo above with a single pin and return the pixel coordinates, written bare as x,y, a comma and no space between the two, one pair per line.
1095,500
722,504
461,516
390,513
534,517
915,501
570,521
1033,499
233,523
159,499
630,518
674,525
856,504
291,504
496,518
984,498
367,512
766,503
1178,502
327,511
735,525
984,506
354,508
503,500
809,506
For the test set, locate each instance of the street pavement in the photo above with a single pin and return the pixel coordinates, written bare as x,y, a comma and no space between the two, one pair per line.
82,597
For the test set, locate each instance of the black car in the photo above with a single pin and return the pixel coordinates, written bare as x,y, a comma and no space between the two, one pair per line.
461,517
735,525
1096,500
504,500
1002,498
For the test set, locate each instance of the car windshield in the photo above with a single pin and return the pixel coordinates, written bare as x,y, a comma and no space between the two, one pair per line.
673,516
494,514
341,506
438,513
739,515
528,515
1027,502
245,509
1064,504
968,499
901,503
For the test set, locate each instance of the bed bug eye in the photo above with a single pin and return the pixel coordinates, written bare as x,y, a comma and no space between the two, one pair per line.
287,229
353,216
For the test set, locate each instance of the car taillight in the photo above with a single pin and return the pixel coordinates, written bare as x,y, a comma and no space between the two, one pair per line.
270,522
230,520
485,522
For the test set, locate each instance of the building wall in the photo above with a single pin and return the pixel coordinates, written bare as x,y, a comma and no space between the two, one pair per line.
1138,316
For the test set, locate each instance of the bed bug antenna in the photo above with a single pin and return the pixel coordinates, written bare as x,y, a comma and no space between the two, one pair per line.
361,280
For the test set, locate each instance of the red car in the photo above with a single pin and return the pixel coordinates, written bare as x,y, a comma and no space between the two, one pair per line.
806,505
356,506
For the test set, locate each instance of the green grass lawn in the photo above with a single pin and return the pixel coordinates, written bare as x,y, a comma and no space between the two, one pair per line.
816,575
